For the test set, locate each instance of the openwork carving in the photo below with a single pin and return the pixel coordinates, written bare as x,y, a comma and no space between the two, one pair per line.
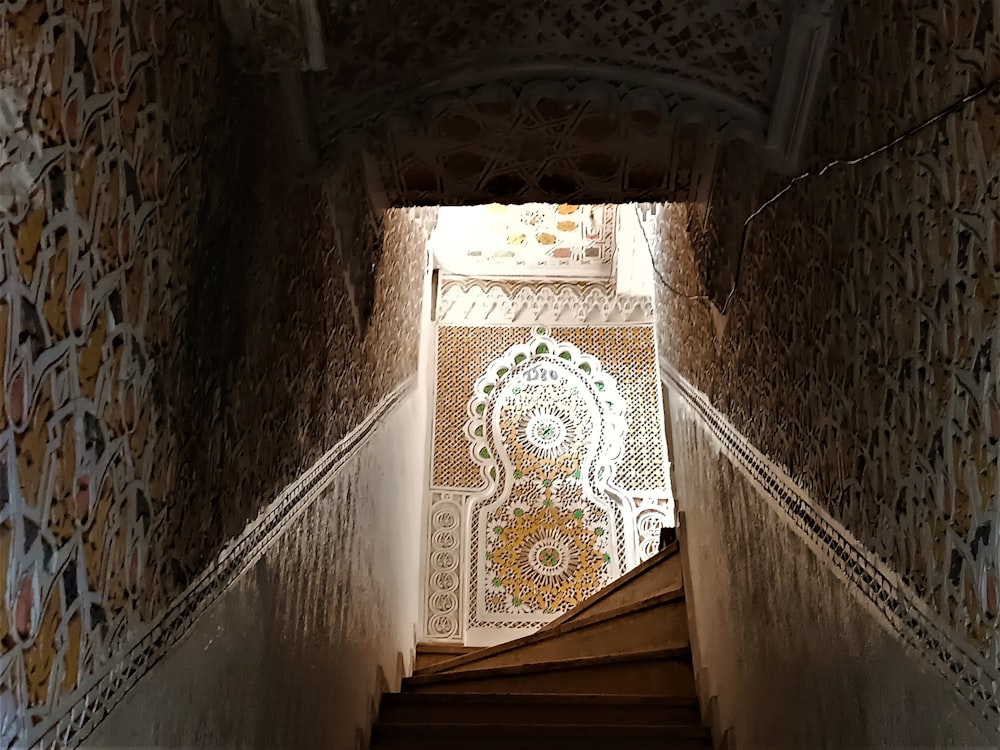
651,515
547,430
444,574
545,554
569,141
627,352
481,303
860,351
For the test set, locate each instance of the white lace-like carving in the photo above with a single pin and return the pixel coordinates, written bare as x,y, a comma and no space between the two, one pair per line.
485,303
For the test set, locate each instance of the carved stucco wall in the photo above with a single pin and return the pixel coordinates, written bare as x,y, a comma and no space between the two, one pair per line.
296,650
860,347
175,345
766,587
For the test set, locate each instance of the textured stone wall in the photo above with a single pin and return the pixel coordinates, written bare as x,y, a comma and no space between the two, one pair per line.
177,335
860,348
794,660
296,652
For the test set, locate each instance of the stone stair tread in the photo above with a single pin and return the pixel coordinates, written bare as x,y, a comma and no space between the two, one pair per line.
430,654
512,730
624,650
572,698
429,647
549,666
530,708
589,742
615,586
550,633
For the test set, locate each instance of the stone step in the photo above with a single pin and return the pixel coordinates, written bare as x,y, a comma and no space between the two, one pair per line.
532,708
659,574
660,672
431,654
509,735
656,623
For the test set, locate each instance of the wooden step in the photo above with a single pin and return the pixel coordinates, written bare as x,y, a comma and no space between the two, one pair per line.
659,574
509,735
660,672
430,654
532,708
655,623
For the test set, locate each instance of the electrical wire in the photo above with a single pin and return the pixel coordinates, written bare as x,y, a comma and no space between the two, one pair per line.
670,287
956,106
952,108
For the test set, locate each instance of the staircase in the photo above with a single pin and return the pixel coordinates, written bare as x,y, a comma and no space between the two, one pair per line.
614,672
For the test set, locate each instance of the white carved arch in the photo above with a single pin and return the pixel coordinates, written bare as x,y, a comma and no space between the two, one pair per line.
546,426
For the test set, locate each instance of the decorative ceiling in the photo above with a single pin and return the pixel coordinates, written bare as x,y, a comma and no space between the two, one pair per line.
519,101
533,239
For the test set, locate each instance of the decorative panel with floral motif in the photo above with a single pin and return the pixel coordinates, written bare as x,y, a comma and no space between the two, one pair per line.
547,429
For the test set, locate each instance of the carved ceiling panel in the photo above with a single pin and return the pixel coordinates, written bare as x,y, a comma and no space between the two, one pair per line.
517,101
552,142
387,46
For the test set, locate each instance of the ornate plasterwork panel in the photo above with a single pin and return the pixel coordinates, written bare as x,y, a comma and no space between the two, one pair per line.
482,303
574,141
534,239
444,573
627,353
547,430
642,497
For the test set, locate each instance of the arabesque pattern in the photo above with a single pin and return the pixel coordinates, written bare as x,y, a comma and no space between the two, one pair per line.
626,351
462,302
860,350
154,288
552,140
724,45
547,427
